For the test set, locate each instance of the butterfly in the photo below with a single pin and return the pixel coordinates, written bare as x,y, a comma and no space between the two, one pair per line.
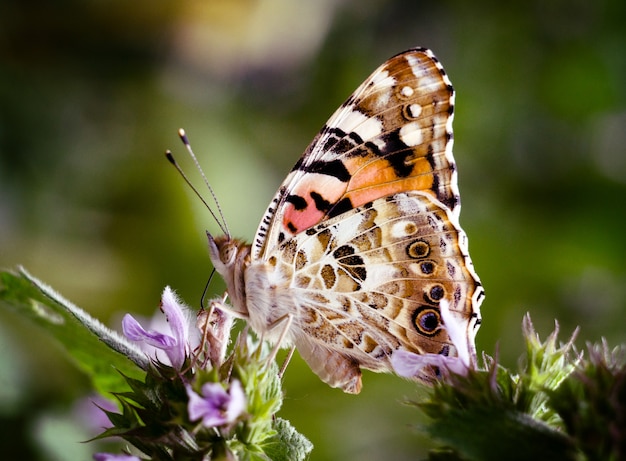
361,247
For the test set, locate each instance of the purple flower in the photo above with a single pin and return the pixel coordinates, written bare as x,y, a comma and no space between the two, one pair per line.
110,457
176,344
215,406
90,411
410,365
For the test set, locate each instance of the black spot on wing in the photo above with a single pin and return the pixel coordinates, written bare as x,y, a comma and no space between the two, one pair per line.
372,148
345,142
320,202
343,205
457,295
397,153
341,143
343,251
450,89
334,142
451,202
298,202
427,267
437,292
338,134
435,188
351,262
355,138
430,157
332,139
334,168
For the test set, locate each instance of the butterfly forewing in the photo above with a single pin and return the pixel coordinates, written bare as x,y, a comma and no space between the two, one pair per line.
393,134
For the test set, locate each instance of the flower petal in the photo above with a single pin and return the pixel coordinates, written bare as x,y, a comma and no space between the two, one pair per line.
457,334
134,331
179,326
215,406
209,408
112,457
91,412
237,403
132,328
410,365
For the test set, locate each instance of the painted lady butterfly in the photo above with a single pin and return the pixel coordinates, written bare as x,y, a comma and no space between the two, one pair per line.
361,248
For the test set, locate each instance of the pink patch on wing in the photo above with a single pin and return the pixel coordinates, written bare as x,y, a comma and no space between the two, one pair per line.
296,221
331,190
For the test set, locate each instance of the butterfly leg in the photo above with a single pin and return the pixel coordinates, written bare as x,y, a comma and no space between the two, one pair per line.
283,367
286,320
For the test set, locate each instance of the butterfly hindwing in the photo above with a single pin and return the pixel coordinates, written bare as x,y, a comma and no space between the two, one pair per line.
371,281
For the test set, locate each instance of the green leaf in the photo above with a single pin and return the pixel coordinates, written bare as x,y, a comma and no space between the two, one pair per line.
493,414
288,444
99,351
494,433
592,403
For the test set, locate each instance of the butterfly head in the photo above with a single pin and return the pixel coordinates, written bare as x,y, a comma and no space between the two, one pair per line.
230,257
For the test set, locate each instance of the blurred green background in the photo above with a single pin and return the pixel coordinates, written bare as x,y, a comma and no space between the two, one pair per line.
92,93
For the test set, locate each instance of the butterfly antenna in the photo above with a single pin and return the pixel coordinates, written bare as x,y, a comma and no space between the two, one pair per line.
185,139
220,221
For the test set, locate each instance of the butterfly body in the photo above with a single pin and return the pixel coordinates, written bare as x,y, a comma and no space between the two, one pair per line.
362,243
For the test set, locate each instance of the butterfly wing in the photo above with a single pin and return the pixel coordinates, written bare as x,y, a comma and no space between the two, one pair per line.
361,246
372,280
393,134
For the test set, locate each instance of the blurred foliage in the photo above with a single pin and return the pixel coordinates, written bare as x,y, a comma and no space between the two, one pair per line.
562,404
92,93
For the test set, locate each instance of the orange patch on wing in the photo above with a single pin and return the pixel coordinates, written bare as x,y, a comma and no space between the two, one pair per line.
376,191
378,179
